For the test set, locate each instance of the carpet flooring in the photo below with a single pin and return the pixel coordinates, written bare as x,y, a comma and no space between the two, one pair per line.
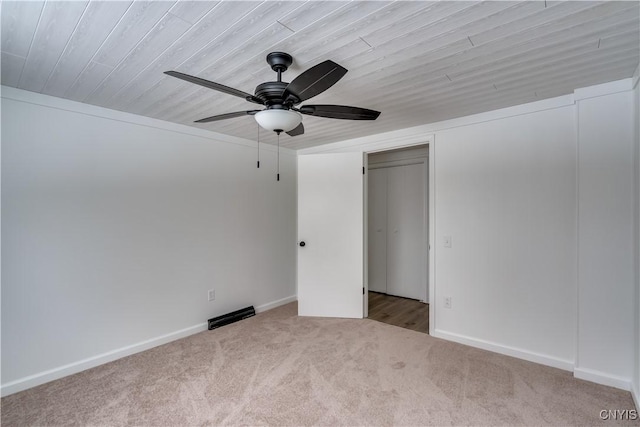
280,369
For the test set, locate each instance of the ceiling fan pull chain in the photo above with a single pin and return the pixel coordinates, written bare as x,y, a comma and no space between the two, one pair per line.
258,146
278,178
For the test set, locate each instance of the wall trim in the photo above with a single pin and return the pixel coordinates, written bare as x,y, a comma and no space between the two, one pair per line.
277,303
91,362
635,393
20,95
380,141
602,378
416,135
518,353
609,88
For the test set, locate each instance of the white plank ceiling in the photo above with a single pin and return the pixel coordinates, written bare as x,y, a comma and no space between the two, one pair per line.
416,62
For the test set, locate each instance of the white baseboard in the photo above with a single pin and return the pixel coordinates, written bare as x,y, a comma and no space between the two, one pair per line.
274,304
635,393
91,362
542,359
602,378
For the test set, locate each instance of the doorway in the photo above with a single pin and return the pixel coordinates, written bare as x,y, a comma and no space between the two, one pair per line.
397,237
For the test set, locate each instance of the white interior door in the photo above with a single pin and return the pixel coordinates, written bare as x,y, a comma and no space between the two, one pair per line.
330,223
406,244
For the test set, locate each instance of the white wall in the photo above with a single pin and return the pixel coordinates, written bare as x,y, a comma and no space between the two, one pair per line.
605,246
506,195
114,227
506,185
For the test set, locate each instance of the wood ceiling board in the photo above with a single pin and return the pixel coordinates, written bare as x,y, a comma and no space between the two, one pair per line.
434,84
86,82
223,48
249,50
11,69
533,81
154,43
200,35
431,29
541,59
260,19
314,11
438,47
57,23
193,11
343,27
18,23
535,20
234,78
436,38
606,41
398,25
97,22
491,53
141,17
554,44
516,96
576,14
338,37
414,61
345,21
223,69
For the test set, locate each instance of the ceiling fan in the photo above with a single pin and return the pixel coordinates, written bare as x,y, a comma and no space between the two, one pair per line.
281,98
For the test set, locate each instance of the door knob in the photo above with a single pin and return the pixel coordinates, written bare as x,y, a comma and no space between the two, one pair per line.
302,244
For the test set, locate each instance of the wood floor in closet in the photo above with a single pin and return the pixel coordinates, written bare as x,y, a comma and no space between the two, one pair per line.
404,312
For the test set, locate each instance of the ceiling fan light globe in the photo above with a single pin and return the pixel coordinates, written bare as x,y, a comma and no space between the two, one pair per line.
278,120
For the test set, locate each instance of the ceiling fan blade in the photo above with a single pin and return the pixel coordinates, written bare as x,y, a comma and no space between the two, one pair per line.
298,130
314,81
215,86
339,112
227,116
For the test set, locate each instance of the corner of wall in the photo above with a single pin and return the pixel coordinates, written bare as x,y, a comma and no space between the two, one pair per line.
636,105
604,113
603,378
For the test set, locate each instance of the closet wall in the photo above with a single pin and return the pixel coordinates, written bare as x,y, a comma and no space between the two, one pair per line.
397,208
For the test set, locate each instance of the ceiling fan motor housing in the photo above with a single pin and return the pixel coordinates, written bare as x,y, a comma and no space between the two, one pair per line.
271,92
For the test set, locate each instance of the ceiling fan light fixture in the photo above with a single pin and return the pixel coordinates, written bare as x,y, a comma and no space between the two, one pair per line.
278,119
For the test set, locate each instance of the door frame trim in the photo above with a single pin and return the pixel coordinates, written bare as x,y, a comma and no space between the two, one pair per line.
392,144
374,146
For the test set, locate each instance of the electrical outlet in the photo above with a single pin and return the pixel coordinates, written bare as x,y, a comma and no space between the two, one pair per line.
211,295
447,302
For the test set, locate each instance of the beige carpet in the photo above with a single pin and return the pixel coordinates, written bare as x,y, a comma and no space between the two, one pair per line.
279,369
